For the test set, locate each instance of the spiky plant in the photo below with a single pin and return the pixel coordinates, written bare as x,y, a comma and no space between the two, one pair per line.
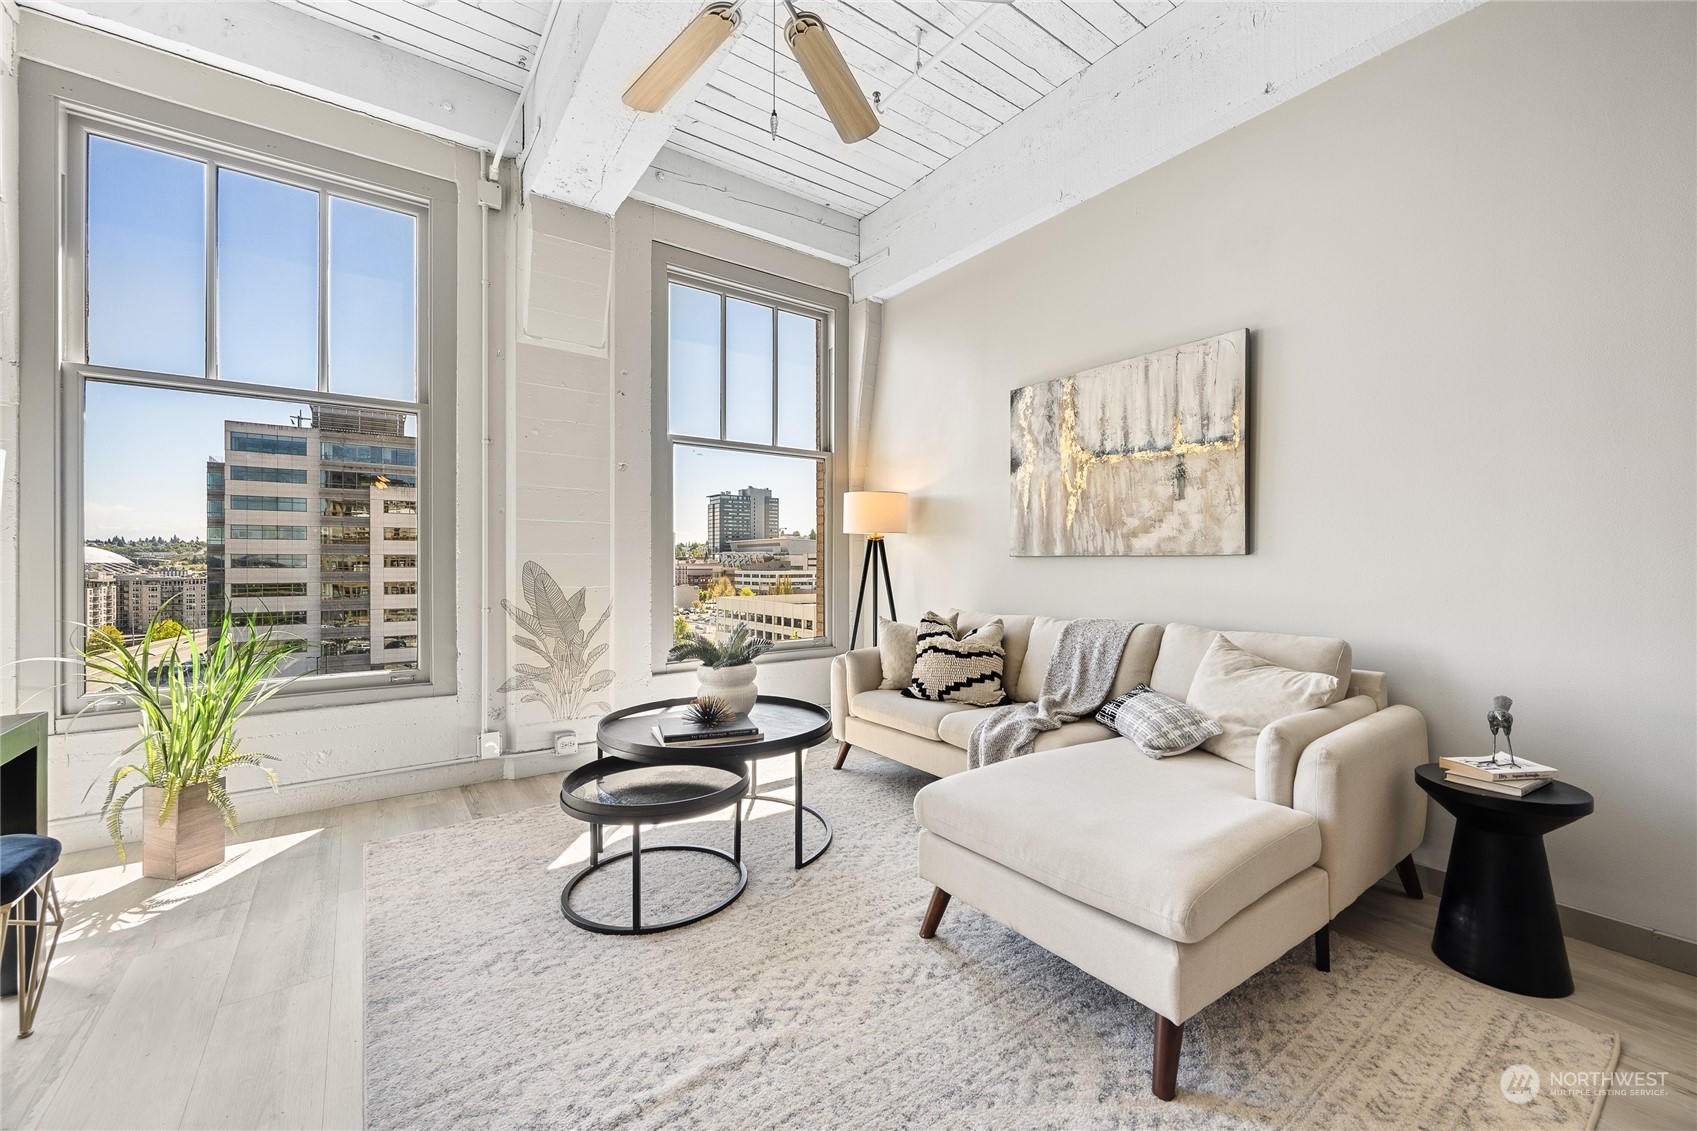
189,710
740,649
709,711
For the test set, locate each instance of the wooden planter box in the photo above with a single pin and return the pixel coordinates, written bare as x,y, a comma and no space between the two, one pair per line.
191,840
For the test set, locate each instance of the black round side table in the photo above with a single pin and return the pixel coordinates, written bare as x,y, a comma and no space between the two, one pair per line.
1497,920
614,791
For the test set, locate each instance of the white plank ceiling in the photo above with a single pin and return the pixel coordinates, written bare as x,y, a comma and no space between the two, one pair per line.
493,40
1020,52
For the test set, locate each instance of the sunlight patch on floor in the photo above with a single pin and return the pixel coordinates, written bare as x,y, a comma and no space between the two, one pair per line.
83,892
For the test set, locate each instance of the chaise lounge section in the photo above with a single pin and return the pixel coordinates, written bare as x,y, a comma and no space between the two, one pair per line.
1171,879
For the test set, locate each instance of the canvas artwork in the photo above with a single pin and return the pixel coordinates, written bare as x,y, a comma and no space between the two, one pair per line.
1140,457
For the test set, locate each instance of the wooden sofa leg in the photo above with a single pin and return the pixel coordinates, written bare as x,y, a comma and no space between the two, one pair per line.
1323,949
934,913
1168,1038
842,754
1410,877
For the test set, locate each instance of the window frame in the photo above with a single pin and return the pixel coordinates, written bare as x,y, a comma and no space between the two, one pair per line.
59,111
732,280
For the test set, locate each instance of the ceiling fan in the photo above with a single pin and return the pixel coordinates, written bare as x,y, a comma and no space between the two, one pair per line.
809,40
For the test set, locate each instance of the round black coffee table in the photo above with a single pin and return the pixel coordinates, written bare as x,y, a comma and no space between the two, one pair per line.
613,791
1497,920
789,726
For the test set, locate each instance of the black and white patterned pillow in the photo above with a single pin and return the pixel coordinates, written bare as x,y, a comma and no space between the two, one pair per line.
951,668
1160,726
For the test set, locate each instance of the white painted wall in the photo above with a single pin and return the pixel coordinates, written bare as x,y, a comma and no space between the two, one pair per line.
1467,268
8,348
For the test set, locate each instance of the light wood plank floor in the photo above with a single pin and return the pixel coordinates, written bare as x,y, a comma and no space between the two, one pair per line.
232,1000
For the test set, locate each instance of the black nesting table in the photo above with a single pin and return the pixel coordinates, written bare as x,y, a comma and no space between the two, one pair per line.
635,780
1497,920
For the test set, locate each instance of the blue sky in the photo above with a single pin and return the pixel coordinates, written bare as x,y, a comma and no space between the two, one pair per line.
146,449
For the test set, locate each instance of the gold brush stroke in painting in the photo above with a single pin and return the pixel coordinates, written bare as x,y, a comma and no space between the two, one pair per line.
1077,461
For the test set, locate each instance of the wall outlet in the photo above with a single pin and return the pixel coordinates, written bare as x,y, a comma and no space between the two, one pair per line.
565,742
489,744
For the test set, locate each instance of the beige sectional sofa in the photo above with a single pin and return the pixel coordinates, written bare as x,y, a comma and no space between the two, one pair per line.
1175,879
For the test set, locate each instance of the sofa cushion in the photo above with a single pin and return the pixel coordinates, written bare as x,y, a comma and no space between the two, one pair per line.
1016,635
1160,725
899,712
956,729
1136,662
1177,846
958,666
1244,693
898,645
1184,645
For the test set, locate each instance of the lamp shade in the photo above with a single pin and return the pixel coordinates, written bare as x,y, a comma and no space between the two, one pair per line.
875,512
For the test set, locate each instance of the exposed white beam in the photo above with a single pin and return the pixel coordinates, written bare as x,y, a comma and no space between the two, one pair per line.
297,52
1197,72
685,183
587,147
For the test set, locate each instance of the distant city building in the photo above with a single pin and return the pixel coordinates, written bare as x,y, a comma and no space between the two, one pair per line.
734,515
764,578
771,618
794,546
101,570
141,596
697,574
313,527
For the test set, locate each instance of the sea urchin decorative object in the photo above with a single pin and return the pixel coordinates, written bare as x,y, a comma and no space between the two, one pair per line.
709,711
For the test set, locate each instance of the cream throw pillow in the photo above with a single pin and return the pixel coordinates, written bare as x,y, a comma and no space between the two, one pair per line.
898,643
1243,693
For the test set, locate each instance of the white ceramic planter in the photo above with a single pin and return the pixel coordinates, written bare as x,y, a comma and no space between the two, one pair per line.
734,685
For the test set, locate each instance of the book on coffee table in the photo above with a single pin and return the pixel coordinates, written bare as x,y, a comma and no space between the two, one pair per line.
675,730
1484,769
1519,788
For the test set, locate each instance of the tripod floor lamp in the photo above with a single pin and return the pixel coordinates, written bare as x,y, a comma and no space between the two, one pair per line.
874,514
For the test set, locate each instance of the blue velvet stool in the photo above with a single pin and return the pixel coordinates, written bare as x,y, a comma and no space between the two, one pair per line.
32,905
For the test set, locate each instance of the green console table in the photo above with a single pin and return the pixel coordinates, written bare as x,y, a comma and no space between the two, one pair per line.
23,809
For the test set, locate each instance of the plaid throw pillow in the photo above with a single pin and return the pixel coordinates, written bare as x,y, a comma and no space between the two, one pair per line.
1160,726
951,668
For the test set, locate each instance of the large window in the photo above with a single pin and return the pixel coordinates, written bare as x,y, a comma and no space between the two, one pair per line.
253,339
748,413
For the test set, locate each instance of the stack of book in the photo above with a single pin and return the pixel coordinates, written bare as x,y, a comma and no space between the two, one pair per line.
1515,779
675,730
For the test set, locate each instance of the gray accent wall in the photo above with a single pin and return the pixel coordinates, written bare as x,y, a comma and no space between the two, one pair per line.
1467,267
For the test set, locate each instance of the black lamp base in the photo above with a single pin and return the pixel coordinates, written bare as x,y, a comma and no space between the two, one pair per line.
871,567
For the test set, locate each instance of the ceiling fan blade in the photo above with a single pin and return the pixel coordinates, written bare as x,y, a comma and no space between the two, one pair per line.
829,76
685,55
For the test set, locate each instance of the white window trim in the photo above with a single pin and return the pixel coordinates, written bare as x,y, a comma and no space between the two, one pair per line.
56,108
676,264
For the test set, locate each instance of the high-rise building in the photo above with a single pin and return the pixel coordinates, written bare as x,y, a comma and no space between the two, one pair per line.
733,515
313,527
180,593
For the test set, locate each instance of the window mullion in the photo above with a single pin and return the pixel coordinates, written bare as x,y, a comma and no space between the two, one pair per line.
775,377
324,295
723,382
211,227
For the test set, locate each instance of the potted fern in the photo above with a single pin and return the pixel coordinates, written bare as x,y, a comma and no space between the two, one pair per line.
189,709
727,670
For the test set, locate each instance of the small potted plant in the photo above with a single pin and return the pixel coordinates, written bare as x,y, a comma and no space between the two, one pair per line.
189,709
727,670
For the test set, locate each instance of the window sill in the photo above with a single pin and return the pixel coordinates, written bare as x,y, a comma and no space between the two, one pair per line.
824,650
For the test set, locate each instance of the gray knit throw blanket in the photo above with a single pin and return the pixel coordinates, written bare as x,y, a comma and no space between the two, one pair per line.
1081,673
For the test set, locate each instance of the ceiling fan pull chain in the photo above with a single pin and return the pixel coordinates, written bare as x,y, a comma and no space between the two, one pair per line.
774,70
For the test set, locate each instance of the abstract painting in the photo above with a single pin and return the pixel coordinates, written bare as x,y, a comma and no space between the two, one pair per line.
1139,457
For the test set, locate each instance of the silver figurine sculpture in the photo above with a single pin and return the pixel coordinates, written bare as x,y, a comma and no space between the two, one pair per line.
1502,723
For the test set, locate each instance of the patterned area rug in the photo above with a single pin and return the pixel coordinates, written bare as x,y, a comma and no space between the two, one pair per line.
812,1002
